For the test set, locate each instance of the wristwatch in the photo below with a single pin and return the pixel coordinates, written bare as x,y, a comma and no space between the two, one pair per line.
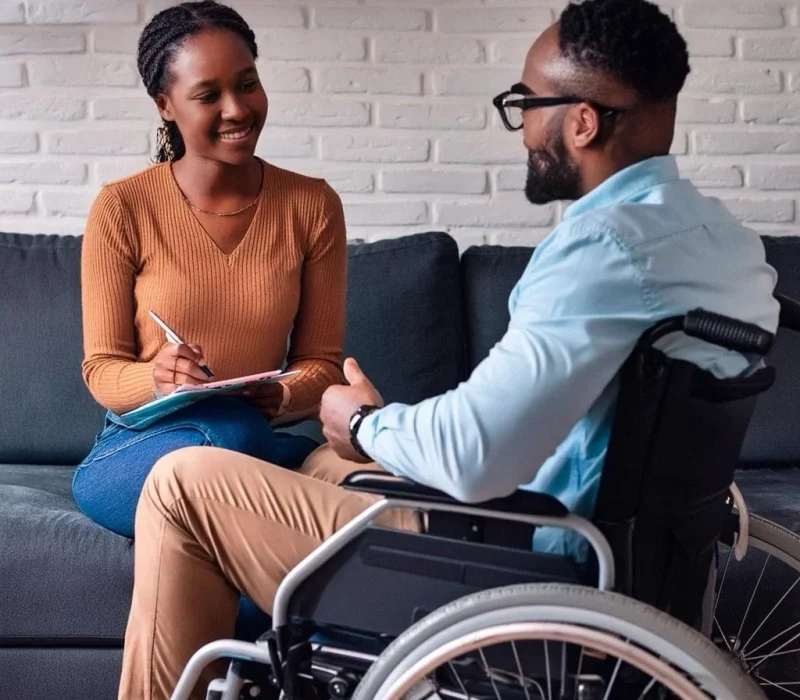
355,423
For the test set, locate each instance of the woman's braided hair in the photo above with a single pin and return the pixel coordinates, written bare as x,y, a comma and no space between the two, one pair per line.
160,40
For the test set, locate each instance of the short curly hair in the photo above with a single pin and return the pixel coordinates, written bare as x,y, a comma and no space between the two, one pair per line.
631,40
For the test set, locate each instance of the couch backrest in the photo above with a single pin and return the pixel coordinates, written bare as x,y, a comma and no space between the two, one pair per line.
774,437
47,415
488,274
404,326
419,320
404,315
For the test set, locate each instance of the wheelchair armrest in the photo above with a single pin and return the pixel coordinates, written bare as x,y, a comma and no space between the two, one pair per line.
521,502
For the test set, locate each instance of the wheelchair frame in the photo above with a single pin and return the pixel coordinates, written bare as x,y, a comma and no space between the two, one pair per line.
259,653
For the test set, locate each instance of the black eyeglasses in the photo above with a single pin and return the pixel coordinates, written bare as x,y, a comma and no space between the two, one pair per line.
512,103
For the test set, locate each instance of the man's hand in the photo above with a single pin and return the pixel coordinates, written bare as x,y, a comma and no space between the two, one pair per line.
338,405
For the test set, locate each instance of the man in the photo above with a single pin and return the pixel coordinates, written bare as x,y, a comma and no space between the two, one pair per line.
596,104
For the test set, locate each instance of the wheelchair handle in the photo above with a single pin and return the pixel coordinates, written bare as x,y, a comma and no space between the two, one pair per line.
727,332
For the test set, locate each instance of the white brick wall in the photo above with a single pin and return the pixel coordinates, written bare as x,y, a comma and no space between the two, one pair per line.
390,100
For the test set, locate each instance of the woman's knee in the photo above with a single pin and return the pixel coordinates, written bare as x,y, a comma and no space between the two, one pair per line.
107,485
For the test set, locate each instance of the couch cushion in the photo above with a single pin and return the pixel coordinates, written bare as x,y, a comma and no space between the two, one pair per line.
773,436
64,577
55,479
773,493
488,274
404,321
47,415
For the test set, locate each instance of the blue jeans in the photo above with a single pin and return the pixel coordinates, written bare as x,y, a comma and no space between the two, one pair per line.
107,484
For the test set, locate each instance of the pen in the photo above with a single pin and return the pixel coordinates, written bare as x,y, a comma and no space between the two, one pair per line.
173,337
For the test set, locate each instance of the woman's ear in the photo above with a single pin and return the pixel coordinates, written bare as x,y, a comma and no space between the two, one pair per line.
164,107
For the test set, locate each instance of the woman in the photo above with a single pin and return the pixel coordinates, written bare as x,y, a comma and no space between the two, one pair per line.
239,257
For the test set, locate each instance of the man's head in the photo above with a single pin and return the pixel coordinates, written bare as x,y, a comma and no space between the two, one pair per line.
620,64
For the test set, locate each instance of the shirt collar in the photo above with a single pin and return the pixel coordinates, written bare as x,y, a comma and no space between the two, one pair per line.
626,183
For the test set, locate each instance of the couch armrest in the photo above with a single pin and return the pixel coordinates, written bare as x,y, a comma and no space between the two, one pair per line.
521,502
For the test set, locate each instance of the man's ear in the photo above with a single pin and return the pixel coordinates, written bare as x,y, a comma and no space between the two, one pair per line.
586,126
164,107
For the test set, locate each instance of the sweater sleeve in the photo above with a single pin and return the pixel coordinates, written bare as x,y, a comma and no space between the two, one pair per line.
317,339
111,370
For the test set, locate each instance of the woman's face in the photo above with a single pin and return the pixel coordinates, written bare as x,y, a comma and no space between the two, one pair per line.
215,97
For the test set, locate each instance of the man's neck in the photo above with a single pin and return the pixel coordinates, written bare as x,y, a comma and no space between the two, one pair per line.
597,173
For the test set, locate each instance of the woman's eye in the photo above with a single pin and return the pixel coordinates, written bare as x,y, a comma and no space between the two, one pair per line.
250,85
208,97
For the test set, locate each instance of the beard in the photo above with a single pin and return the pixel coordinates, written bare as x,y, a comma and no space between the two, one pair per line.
552,175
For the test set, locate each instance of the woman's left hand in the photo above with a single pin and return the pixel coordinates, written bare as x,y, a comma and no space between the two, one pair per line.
267,398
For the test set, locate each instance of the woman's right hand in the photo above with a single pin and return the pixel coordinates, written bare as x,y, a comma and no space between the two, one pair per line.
176,365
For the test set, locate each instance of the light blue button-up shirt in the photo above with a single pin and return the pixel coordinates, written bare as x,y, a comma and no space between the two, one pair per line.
537,412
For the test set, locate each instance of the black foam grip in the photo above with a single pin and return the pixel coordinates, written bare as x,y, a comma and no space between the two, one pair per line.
727,332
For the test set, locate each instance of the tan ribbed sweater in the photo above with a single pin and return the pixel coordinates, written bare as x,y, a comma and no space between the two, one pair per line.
284,284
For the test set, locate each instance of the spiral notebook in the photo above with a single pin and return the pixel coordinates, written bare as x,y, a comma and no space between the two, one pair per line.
187,394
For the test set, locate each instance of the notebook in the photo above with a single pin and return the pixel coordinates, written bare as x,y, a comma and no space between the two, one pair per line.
187,394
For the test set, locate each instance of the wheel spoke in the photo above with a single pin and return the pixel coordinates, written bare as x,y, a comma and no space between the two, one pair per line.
578,674
489,674
769,614
772,639
782,646
722,634
780,653
458,678
522,681
752,598
764,681
563,666
722,583
547,671
613,680
648,688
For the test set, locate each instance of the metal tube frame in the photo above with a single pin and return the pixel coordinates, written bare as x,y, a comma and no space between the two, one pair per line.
249,651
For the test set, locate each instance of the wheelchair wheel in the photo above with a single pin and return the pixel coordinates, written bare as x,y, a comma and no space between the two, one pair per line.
552,641
757,607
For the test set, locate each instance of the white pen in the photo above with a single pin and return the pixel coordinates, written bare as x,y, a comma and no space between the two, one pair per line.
173,337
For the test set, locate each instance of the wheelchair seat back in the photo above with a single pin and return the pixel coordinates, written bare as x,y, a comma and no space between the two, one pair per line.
675,443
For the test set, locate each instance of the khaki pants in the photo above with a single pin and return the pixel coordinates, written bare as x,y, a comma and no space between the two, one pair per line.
213,523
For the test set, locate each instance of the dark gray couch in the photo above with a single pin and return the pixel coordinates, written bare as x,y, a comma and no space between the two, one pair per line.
419,318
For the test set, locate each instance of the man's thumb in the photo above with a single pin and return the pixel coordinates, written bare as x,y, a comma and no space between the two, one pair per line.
352,372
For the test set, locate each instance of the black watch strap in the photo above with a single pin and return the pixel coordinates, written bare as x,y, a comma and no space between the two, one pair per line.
355,423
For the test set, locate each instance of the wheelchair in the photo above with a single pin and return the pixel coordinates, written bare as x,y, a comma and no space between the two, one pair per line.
467,609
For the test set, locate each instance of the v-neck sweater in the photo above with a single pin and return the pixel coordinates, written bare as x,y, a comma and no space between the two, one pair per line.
279,296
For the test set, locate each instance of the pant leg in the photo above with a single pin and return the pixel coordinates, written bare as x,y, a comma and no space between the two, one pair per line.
211,523
324,464
108,483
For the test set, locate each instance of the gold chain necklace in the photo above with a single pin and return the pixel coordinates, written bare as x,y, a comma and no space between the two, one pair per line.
230,213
